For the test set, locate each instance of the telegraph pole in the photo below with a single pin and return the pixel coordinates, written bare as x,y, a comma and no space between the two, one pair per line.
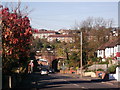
81,55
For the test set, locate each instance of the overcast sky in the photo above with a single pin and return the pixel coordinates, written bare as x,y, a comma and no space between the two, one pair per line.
63,15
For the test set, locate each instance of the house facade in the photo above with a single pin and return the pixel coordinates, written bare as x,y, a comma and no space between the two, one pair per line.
100,53
110,49
62,38
43,34
64,32
68,32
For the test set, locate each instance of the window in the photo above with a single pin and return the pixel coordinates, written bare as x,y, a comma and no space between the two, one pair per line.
100,52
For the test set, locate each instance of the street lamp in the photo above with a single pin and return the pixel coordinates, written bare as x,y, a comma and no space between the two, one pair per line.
49,49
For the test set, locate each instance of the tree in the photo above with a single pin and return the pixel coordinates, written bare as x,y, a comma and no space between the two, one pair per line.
96,31
36,44
74,59
16,34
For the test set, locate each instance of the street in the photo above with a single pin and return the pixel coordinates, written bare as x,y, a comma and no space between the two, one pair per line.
36,81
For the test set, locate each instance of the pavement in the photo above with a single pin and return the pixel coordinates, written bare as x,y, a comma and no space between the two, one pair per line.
97,79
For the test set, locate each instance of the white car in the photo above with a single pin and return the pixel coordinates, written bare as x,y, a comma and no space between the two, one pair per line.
51,71
44,72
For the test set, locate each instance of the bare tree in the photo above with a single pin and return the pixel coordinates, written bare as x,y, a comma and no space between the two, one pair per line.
92,22
109,23
95,32
99,22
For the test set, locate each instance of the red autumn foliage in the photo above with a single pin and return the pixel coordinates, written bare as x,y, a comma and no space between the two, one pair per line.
16,34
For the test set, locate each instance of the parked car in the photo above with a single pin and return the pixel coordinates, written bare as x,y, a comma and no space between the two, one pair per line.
44,72
51,71
99,74
39,68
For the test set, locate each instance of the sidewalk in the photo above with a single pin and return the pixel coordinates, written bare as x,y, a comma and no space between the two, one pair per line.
96,79
83,77
31,82
113,82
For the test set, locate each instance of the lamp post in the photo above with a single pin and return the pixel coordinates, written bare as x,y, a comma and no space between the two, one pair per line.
81,54
49,49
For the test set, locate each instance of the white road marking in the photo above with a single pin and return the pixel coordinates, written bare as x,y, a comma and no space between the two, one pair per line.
82,87
33,82
76,85
71,83
107,83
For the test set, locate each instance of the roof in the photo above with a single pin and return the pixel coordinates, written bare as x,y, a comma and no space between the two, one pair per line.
60,36
102,47
109,44
45,32
118,41
62,30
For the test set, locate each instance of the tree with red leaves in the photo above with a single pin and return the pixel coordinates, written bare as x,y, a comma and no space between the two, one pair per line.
16,34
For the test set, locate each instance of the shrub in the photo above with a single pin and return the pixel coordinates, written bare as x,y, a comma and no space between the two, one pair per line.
112,69
103,63
100,70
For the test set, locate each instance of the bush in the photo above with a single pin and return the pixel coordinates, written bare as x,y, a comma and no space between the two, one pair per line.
100,70
112,69
103,63
90,71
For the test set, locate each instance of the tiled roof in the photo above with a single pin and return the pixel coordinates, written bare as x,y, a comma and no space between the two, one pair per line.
102,47
109,44
60,36
45,32
118,41
68,30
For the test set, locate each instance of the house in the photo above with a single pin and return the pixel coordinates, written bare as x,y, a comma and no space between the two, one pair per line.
114,32
101,51
43,34
109,49
62,38
64,32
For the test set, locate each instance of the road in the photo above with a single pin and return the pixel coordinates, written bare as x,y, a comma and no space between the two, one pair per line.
54,81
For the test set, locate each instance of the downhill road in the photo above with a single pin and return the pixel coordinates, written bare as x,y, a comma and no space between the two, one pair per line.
36,81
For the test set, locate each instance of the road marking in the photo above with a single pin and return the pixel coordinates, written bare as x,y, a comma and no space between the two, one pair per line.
76,85
110,84
33,82
82,87
107,83
71,83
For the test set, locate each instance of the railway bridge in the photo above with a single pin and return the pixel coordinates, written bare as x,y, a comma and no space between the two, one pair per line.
51,58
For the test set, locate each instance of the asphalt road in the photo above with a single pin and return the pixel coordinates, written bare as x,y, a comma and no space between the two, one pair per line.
64,81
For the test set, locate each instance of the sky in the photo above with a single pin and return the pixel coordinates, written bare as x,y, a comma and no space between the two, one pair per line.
64,15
